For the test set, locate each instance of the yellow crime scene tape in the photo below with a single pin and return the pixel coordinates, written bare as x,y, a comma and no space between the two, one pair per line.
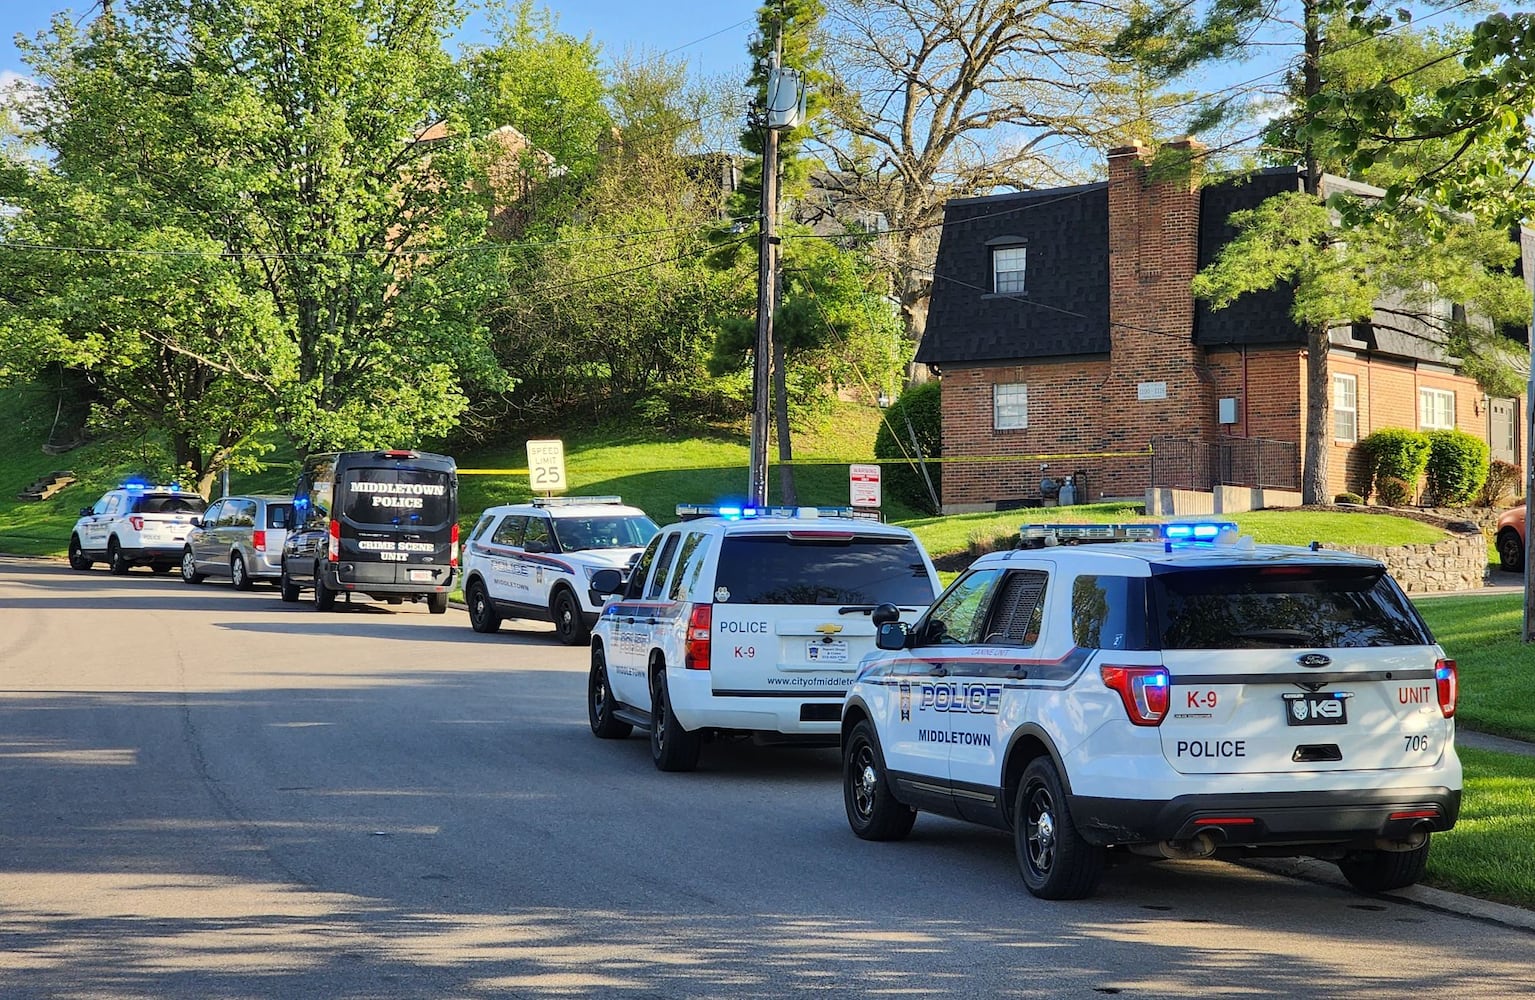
942,460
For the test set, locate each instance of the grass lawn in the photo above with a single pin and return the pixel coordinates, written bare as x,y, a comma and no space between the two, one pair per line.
1489,854
1481,632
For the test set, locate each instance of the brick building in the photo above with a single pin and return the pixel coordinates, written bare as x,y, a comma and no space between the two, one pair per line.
1064,329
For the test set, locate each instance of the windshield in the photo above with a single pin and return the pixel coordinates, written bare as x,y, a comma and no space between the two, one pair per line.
628,531
167,503
1284,607
826,569
406,497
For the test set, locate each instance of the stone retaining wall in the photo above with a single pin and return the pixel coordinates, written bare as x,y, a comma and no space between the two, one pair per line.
1459,562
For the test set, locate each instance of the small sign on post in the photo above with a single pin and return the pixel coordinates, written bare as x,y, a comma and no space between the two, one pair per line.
546,466
863,484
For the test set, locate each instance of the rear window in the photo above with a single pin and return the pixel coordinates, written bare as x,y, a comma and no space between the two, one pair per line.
397,496
821,569
279,515
1283,607
167,503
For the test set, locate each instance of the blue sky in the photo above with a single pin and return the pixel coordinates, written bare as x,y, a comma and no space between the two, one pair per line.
653,25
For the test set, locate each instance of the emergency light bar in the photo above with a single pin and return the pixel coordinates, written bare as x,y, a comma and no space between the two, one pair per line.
735,512
1205,532
569,501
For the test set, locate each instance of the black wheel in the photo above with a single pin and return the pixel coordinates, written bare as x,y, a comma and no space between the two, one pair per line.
189,572
324,597
116,563
872,810
569,626
287,590
77,557
238,574
1379,871
1510,550
599,701
482,613
437,604
1055,861
671,747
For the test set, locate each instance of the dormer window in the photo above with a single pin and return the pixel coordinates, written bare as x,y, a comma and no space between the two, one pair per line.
1007,268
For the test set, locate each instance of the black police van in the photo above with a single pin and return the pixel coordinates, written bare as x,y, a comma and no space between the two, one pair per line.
381,523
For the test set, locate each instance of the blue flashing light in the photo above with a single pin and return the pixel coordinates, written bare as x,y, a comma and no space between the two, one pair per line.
1158,680
1196,531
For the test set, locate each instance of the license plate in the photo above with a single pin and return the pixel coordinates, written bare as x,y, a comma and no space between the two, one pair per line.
420,576
1326,708
822,651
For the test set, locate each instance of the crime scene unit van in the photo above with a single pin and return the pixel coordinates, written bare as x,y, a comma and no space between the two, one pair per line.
747,622
1181,693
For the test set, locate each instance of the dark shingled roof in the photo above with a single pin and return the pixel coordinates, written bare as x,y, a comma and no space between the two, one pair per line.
1065,307
1257,317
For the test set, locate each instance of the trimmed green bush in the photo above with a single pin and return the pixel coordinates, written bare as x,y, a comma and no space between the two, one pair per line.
1395,453
1457,467
917,410
1501,486
1348,498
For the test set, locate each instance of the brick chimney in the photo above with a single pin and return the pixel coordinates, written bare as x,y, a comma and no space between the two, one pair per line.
1157,381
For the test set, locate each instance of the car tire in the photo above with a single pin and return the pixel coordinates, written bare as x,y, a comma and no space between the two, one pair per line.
872,809
117,564
569,625
1382,871
1510,550
287,590
324,597
189,572
238,574
437,604
599,701
482,613
77,557
1056,863
672,748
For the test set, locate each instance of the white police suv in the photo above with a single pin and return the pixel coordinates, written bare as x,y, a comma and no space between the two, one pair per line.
1188,695
747,622
135,525
536,560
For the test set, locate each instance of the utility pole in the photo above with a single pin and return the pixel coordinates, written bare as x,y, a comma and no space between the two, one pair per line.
1526,245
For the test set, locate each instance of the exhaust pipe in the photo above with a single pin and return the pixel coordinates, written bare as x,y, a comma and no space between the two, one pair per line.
1414,840
1201,845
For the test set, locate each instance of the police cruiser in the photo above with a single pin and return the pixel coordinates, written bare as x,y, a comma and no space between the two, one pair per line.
536,560
740,621
135,525
1183,693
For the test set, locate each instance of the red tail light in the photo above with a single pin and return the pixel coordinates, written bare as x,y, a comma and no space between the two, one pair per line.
1146,692
695,649
335,541
258,539
137,522
453,546
1447,680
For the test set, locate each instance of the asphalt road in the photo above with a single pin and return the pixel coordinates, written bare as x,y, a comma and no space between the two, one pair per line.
206,794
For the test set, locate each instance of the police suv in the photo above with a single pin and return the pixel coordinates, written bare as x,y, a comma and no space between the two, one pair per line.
1183,693
747,622
135,525
536,560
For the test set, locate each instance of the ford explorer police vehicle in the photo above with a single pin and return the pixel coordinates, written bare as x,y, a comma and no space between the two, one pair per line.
1183,693
536,560
747,622
135,525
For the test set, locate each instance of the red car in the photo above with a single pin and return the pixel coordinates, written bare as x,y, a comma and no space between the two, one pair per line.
1510,539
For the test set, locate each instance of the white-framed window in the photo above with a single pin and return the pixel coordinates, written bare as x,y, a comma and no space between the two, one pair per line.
1007,268
1010,406
1345,408
1436,409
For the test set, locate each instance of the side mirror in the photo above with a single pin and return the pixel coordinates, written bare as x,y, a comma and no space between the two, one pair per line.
892,635
197,521
86,511
607,581
885,613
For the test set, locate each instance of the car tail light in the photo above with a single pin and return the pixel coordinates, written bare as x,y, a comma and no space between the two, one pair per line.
453,545
137,522
335,541
1447,680
695,649
258,539
1146,692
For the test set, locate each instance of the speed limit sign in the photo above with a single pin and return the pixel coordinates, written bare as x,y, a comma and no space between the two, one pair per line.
546,466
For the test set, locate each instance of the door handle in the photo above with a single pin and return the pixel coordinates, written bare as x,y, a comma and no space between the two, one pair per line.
939,671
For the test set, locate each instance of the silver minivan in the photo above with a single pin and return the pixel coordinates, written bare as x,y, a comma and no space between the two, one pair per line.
239,537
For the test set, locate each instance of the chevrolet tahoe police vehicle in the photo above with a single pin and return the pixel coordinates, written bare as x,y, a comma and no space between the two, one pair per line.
1183,693
135,525
536,561
746,622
